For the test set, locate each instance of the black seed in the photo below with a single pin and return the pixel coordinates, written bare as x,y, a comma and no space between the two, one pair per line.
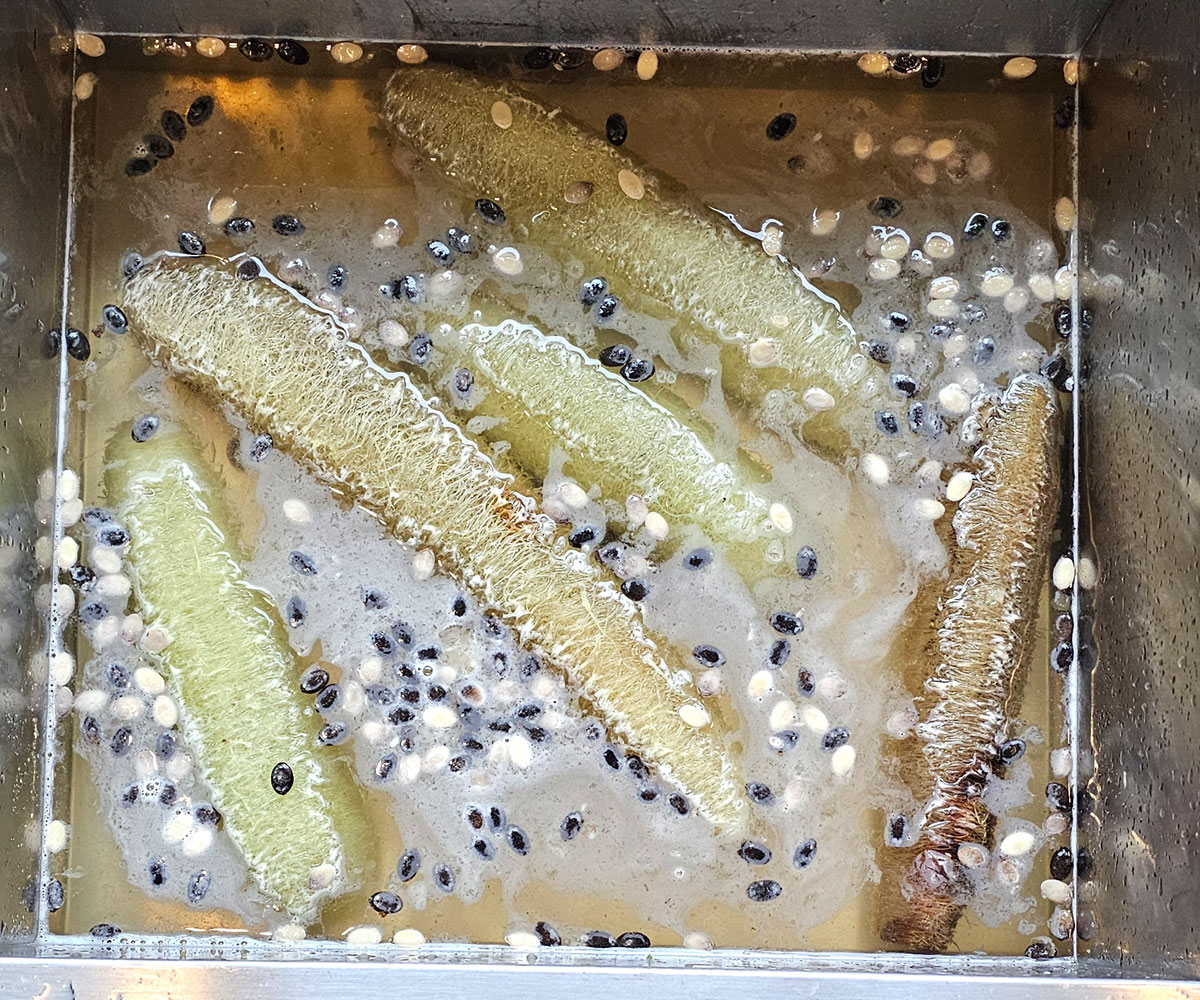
582,536
144,427
879,351
403,634
93,516
517,839
461,240
106,932
897,321
754,853
91,731
633,939
463,381
1085,320
1064,112
459,607
697,559
591,290
538,58
287,225
201,110
436,692
1062,321
114,537
457,764
408,865
281,778
548,936
55,895
421,349
1001,230
529,711
328,697
139,166
837,737
379,694
904,384
571,825
709,656
190,243
781,126
1085,864
1062,863
975,226
260,447
440,252
383,643
374,600
198,886
239,225
804,854
606,308
647,793
173,125
411,695
301,563
207,815
764,890
1055,368
907,63
296,611
779,652
886,208
130,795
131,263
248,269
897,826
616,129
400,714
292,52
118,675
93,611
158,871
679,803
121,741
256,49
336,276
165,745
785,739
637,369
159,146
483,847
886,421
634,589
1061,658
78,345
385,765
933,71
1058,796
84,577
598,939
636,765
386,902
471,744
428,653
168,795
444,877
806,563
985,348
760,793
490,211
786,623
1011,751
611,758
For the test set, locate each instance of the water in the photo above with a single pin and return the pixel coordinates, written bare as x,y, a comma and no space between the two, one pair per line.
308,141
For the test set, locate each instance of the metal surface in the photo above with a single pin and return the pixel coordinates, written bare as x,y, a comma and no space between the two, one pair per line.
1021,26
1140,174
34,100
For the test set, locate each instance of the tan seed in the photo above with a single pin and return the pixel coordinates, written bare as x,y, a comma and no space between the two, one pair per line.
608,59
89,44
413,55
502,114
1019,67
1071,71
631,184
939,149
210,47
579,192
874,63
647,65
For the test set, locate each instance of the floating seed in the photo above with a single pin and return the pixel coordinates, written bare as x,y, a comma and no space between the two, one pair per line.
256,50
292,52
190,243
632,939
598,939
287,225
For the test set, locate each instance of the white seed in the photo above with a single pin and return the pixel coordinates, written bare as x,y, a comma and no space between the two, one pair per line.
929,473
62,667
221,209
364,935
1064,213
502,114
760,684
694,715
373,732
1060,761
155,640
1017,843
940,149
166,712
996,282
393,333
631,184
959,486
842,761
198,840
409,769
128,707
1015,300
944,287
697,941
149,680
178,826
210,48
1064,282
972,855
89,44
925,172
289,933
956,346
508,261
572,495
772,241
608,59
953,399
57,834
1007,871
831,686
900,723
883,269
906,346
824,221
875,468
763,351
578,192
939,246
411,54
296,510
1087,573
103,634
783,714
942,308
636,510
322,876
928,508
520,752
814,719
387,235
544,686
112,585
408,937
921,264
85,86
1071,71
656,526
895,247
908,145
105,560
179,766
708,683
1019,67
439,716
68,485
91,701
817,399
864,145
781,518
795,794
874,63
71,511
522,940
647,65
422,564
1056,823
1064,573
1061,923
346,52
370,669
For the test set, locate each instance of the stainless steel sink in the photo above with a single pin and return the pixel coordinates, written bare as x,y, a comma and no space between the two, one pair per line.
1135,478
